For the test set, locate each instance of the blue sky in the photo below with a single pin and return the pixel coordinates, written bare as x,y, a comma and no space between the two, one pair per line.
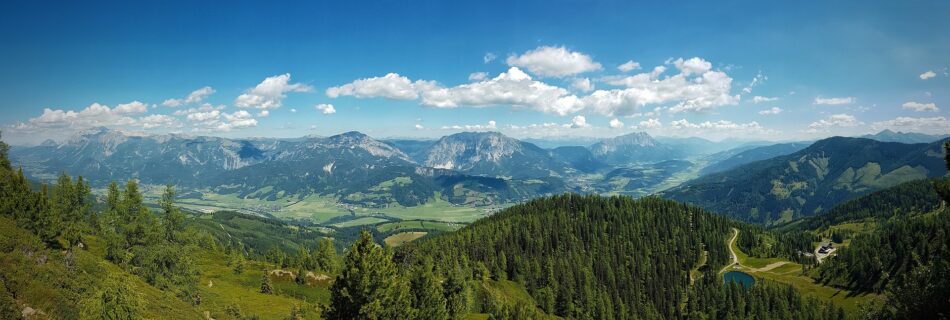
818,69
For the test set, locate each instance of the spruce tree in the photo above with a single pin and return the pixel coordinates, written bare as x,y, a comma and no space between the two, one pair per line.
369,286
266,287
428,299
173,221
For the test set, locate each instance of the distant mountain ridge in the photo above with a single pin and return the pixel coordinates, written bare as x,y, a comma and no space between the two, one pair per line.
887,135
352,166
811,180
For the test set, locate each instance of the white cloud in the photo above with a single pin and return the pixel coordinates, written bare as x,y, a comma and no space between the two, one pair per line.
419,127
705,91
832,121
616,123
686,91
582,84
927,75
650,124
693,65
92,116
263,114
194,97
325,108
629,66
760,99
579,122
773,110
159,121
471,127
293,110
489,57
834,101
513,87
554,62
917,106
934,125
211,119
130,108
757,80
390,86
477,76
719,126
270,93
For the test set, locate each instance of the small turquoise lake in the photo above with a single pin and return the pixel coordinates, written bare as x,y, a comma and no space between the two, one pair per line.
741,277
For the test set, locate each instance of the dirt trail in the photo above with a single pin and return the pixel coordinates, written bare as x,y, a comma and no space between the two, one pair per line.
735,258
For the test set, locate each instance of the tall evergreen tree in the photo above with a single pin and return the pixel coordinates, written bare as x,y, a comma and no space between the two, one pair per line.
173,221
369,286
427,297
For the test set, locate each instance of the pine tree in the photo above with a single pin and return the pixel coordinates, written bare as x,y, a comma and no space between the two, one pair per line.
301,277
237,261
173,221
266,287
454,290
428,299
325,257
368,286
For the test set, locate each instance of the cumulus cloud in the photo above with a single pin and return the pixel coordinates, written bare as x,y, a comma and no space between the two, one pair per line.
719,127
832,121
159,121
927,75
270,93
489,57
471,127
554,62
650,124
325,108
760,99
616,123
628,66
194,97
773,110
477,76
390,86
834,101
933,125
579,122
263,114
419,127
130,108
208,118
293,110
695,88
582,84
917,106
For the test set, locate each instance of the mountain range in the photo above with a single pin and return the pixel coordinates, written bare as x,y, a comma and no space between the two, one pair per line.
811,180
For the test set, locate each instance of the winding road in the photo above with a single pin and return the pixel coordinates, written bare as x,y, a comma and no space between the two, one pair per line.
735,257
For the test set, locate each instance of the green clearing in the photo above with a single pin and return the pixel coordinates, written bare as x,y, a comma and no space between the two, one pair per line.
418,224
401,238
359,222
220,287
791,273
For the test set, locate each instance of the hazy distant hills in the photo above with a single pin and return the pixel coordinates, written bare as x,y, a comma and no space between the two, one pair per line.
904,137
811,180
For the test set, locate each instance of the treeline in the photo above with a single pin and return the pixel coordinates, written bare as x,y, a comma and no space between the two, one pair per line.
590,257
763,301
578,257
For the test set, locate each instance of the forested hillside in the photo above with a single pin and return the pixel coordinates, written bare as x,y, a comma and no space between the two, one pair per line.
812,180
606,258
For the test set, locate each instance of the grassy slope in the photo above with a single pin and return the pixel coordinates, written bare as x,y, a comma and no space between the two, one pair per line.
791,273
